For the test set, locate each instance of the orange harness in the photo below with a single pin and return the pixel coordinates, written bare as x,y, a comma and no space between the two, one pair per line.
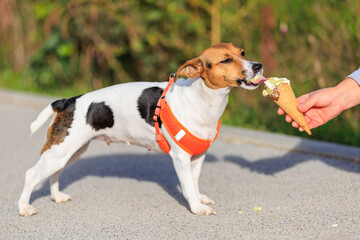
182,137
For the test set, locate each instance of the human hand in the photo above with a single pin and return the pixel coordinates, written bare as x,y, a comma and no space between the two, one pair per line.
318,107
325,104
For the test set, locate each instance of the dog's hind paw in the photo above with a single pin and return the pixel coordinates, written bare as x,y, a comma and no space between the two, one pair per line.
202,209
27,210
205,200
60,197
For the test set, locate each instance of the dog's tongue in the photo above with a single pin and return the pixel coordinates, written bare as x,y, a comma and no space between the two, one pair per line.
263,79
258,79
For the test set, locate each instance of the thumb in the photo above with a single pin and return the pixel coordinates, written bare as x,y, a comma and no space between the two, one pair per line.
306,102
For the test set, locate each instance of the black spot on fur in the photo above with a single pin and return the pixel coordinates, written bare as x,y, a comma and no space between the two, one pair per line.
147,103
65,104
100,116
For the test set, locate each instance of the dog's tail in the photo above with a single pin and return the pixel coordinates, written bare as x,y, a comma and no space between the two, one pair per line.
41,119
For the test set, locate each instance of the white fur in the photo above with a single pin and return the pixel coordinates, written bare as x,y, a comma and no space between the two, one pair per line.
196,106
41,119
249,74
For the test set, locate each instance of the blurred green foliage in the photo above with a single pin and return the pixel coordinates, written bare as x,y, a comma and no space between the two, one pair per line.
68,47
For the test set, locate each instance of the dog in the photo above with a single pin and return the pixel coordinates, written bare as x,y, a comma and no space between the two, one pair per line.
124,113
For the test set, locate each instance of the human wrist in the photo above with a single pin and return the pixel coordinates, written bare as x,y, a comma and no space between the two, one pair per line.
348,93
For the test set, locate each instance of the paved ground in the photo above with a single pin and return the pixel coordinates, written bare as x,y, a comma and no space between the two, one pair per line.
307,189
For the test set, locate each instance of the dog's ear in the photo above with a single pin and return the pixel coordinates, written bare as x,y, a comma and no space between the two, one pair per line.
191,69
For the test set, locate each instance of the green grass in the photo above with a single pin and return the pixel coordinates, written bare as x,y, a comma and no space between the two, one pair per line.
19,81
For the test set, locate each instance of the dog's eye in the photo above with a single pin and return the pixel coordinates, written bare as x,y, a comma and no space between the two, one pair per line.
243,53
228,60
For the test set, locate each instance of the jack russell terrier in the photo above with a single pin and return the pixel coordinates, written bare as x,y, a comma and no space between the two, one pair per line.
125,113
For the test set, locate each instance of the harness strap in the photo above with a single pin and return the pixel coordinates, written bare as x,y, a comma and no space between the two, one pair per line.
164,145
183,137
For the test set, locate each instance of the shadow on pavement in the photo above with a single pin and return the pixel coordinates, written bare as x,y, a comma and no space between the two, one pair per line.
272,165
152,167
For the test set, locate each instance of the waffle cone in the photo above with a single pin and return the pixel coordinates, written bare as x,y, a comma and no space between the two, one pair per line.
287,101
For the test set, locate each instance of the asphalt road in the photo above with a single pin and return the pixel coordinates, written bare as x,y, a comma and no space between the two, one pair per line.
305,189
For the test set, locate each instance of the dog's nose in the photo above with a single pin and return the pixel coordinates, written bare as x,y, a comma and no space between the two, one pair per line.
257,67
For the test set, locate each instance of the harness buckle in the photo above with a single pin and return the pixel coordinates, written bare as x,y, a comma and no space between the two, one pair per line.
172,75
156,118
158,138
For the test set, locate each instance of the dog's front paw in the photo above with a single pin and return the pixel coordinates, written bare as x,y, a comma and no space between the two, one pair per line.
205,200
202,209
60,197
27,210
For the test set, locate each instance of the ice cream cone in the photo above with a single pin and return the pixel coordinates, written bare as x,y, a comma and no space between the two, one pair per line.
287,101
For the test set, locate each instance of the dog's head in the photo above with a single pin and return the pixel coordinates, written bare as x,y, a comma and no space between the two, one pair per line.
222,65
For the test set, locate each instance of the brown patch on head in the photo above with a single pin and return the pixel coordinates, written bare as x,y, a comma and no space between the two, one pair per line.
219,66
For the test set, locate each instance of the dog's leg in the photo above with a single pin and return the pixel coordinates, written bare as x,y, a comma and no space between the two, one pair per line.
56,195
51,161
182,164
196,164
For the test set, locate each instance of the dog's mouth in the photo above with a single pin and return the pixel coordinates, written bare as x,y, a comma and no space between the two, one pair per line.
247,83
252,83
257,79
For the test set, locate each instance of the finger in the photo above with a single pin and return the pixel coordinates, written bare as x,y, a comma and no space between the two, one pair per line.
295,124
280,111
314,124
311,123
307,103
303,98
288,118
